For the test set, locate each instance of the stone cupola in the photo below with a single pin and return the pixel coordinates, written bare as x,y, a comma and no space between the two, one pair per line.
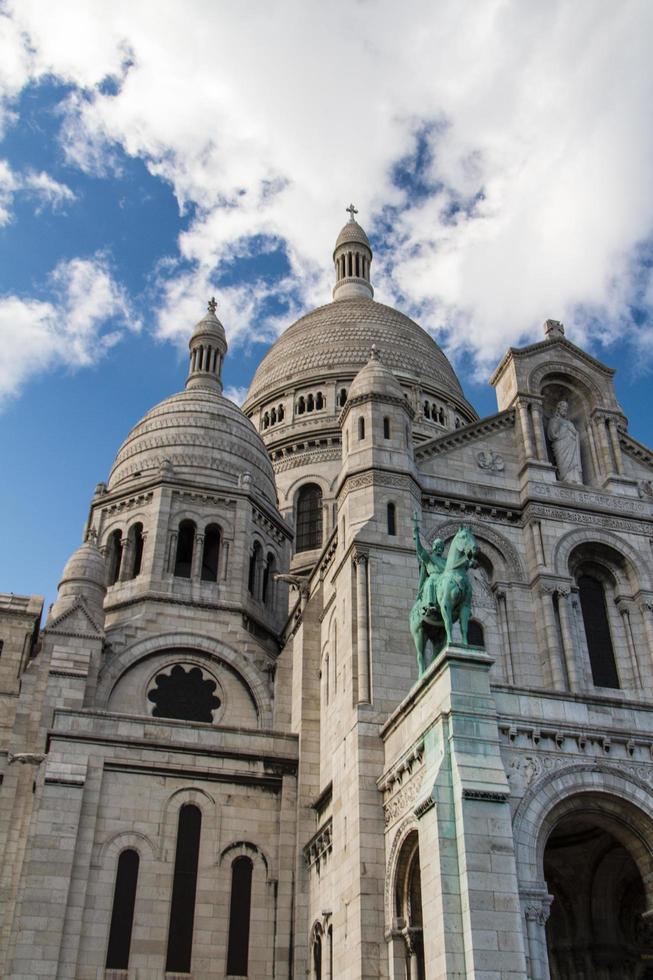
207,346
84,576
352,258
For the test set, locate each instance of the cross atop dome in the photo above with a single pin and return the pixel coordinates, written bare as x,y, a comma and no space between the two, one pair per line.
212,305
352,211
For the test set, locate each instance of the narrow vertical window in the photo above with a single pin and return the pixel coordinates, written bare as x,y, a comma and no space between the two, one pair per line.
317,957
184,887
122,914
475,634
185,544
386,427
597,632
254,560
211,553
239,915
330,940
392,519
309,517
361,428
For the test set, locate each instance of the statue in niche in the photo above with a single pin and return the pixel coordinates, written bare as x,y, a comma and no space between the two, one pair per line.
444,594
565,442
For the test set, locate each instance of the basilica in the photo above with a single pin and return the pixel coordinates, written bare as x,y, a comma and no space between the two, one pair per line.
219,756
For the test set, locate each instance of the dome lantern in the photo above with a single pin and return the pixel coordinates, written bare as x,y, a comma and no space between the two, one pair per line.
207,346
352,258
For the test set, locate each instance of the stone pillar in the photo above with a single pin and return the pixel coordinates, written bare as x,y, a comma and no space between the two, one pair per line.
552,639
536,913
127,560
397,951
470,898
623,605
172,552
362,628
536,531
527,435
568,643
504,621
646,609
596,462
538,428
614,442
603,444
196,563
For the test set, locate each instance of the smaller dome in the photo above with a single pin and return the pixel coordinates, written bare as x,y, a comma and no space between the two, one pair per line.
84,575
352,234
85,566
209,329
375,379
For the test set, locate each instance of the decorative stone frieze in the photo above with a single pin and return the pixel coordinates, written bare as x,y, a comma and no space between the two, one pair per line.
319,847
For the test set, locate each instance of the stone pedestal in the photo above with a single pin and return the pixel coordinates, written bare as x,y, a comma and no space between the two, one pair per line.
471,911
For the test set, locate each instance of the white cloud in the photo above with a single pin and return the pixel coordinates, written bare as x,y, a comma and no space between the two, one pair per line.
42,187
237,393
87,314
270,121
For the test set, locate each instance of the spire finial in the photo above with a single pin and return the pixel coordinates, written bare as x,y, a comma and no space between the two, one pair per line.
352,211
212,305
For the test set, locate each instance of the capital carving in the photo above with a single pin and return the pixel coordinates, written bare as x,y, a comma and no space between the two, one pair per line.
360,558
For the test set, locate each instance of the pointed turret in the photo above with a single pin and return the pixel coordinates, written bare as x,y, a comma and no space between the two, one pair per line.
352,257
208,346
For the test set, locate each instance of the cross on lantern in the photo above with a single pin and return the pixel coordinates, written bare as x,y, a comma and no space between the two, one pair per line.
352,211
212,305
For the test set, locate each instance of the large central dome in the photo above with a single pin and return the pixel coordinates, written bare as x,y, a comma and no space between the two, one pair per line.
336,339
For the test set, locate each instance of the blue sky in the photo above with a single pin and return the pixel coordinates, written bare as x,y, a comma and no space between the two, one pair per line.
499,153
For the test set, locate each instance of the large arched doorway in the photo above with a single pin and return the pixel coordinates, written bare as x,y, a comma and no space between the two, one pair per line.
596,927
408,907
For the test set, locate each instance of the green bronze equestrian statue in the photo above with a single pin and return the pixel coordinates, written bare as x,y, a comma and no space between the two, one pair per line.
444,594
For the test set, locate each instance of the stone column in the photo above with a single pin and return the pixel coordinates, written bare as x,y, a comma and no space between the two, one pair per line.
127,559
502,604
538,429
552,639
196,563
536,913
526,429
613,432
362,628
172,552
536,531
596,462
604,446
397,951
568,644
623,605
646,609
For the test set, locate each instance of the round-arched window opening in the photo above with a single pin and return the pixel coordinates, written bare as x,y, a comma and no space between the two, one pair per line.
184,694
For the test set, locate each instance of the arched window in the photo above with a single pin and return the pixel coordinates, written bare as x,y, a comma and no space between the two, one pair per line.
319,400
386,427
185,545
114,557
211,553
273,417
475,635
239,916
330,944
122,913
358,264
342,397
392,519
309,518
441,416
427,410
361,428
301,405
254,560
184,887
597,631
310,403
136,541
268,571
266,420
317,957
457,423
280,413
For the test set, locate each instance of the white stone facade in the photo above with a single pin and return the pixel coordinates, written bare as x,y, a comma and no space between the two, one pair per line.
219,654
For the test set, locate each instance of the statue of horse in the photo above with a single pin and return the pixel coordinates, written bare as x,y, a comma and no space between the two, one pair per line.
453,592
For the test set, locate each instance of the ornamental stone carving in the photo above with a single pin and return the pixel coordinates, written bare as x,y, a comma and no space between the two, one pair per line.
490,461
565,441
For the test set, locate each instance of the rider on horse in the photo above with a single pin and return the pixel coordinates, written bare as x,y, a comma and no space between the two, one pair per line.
431,565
